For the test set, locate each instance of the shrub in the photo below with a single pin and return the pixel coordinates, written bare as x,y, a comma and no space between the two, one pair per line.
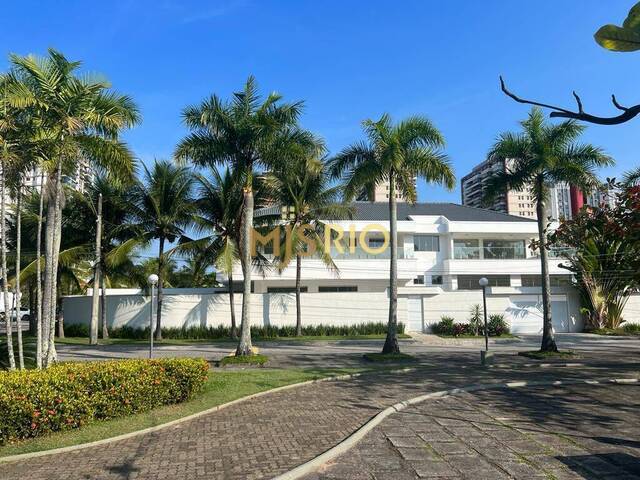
76,330
68,395
460,329
444,326
475,319
497,325
220,331
632,328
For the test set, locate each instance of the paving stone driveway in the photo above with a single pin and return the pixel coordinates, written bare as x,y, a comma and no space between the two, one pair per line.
570,432
269,435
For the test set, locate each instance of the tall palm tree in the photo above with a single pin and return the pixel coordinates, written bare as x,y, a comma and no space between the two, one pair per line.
161,209
394,153
241,133
301,185
118,240
539,156
219,203
79,117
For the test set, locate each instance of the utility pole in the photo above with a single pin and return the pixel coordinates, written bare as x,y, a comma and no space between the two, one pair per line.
93,335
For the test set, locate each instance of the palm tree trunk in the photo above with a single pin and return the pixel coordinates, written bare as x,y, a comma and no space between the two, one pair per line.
95,305
5,280
39,277
244,345
18,292
391,342
298,311
32,308
103,306
158,332
232,306
52,252
548,341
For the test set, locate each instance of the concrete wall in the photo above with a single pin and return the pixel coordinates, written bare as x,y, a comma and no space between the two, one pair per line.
212,309
632,309
202,307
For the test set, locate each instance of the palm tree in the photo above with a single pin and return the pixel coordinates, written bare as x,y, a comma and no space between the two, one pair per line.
301,185
161,209
219,211
539,156
241,133
631,178
394,153
118,239
79,117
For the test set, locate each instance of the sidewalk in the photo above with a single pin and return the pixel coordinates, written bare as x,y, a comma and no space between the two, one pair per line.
272,434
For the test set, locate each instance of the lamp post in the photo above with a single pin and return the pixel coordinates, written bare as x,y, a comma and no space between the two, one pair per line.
153,280
483,282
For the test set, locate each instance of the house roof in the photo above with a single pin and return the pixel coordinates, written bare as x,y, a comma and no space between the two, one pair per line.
372,211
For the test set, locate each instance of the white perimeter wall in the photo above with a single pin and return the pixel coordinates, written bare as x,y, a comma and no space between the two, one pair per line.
335,308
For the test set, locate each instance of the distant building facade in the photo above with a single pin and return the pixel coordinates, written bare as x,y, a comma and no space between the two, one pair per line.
381,193
564,200
33,180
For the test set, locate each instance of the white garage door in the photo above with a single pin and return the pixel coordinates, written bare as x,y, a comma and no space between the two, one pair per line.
414,314
525,314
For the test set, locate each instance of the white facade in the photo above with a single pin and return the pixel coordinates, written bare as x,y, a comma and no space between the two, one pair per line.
439,263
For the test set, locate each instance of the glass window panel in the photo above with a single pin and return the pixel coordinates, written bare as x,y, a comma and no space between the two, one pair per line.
426,243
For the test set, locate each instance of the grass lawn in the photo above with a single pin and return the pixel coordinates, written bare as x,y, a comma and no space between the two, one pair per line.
617,332
221,387
388,357
128,341
478,337
539,355
244,360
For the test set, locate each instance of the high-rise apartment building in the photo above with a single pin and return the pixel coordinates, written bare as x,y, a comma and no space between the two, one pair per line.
381,193
564,199
33,180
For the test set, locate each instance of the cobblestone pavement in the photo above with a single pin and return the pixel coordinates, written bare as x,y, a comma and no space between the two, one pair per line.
568,432
269,435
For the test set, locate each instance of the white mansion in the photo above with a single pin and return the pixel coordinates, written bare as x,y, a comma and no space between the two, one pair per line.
444,249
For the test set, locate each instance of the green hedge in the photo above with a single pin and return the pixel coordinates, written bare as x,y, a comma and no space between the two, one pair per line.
69,395
212,333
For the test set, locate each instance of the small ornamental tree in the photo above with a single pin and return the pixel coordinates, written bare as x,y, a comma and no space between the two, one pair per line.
604,256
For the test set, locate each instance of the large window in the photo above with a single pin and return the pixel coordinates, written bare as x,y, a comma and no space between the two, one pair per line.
471,282
285,289
466,249
554,280
341,288
436,280
426,243
503,249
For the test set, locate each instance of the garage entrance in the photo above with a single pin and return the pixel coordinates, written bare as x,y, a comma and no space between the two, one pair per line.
525,314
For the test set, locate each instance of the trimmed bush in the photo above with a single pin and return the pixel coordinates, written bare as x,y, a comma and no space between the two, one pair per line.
212,333
497,325
444,326
68,395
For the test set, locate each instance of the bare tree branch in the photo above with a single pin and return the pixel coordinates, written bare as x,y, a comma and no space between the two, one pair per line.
628,112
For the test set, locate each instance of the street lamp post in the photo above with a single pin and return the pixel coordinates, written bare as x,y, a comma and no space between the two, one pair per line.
483,283
153,280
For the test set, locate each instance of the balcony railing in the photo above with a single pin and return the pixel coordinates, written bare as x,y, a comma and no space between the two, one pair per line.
489,253
504,253
360,254
561,252
466,253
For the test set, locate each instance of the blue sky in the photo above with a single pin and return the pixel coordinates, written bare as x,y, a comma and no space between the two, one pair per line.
348,61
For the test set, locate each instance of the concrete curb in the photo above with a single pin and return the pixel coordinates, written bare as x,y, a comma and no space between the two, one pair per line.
71,448
312,465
